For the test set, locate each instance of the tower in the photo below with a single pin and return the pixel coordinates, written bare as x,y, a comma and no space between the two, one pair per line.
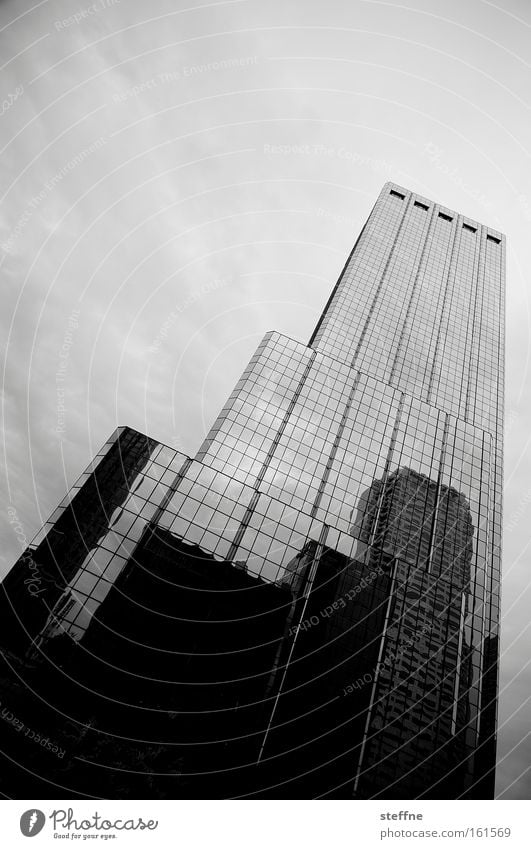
355,482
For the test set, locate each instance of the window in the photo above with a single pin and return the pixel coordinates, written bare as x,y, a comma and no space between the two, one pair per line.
421,205
397,194
445,217
493,239
469,228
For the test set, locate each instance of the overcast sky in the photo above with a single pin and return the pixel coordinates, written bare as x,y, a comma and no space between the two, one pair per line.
151,233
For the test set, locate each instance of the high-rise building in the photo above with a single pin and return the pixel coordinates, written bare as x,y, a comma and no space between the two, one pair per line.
310,606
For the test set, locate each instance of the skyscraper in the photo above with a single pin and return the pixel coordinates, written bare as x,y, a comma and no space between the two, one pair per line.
347,501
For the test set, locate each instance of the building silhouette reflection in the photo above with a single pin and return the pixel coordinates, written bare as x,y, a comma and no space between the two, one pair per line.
309,607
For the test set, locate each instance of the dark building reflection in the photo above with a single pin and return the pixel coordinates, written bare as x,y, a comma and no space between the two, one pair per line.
416,734
345,672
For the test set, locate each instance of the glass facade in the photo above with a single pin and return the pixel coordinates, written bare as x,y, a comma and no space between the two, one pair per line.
69,554
358,479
